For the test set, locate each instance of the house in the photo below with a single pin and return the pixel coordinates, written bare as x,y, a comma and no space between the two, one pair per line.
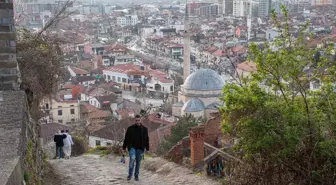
114,133
74,72
129,76
129,105
91,92
124,59
94,115
159,82
120,114
116,49
83,80
107,102
63,111
175,51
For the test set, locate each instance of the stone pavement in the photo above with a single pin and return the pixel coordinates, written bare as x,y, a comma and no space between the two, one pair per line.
96,170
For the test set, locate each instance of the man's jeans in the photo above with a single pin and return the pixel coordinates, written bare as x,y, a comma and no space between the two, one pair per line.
135,156
59,151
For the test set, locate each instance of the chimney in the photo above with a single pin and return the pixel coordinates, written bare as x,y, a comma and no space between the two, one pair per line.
197,145
9,73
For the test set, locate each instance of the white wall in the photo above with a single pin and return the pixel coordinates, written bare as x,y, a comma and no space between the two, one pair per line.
103,142
95,102
116,75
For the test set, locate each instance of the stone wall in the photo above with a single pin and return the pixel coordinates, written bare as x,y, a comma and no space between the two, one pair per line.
21,156
8,65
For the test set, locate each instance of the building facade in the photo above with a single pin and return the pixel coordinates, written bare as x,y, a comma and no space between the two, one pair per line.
241,8
264,8
64,111
127,20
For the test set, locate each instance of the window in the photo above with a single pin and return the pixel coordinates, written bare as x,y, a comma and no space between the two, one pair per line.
60,121
109,144
97,143
72,111
59,107
71,105
124,80
113,78
72,120
60,112
108,77
47,106
119,79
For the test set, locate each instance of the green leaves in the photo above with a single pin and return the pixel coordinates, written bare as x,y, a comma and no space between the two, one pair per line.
286,132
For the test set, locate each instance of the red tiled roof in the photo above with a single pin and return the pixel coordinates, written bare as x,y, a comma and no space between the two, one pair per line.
247,66
79,71
240,49
211,49
219,53
125,112
174,45
154,119
160,76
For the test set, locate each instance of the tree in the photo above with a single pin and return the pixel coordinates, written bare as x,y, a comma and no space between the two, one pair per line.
285,132
39,59
178,132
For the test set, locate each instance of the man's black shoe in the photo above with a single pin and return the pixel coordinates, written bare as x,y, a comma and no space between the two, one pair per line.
136,178
129,178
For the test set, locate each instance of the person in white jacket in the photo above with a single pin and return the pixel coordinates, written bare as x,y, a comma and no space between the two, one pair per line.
68,142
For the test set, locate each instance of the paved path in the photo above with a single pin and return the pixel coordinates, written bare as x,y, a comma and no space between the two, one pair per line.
96,170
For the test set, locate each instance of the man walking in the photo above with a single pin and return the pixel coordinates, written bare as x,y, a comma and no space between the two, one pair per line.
136,140
58,139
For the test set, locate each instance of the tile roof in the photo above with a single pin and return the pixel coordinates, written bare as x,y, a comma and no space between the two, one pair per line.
219,53
247,66
112,98
79,71
94,112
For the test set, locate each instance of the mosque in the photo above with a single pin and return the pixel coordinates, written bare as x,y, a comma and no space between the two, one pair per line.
200,94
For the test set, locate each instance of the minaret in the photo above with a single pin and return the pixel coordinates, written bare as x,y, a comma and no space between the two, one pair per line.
186,45
249,17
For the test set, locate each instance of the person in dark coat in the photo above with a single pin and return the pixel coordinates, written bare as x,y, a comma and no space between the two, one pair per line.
58,139
136,141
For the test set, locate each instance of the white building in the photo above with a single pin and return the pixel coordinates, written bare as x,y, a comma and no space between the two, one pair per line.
127,20
130,74
241,8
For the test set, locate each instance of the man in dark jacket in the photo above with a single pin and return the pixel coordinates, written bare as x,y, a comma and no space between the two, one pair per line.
136,140
58,139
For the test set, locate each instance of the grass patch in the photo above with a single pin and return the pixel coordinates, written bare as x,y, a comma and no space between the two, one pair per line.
148,155
199,174
100,150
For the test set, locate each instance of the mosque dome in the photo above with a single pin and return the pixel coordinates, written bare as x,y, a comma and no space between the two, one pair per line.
204,79
193,105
